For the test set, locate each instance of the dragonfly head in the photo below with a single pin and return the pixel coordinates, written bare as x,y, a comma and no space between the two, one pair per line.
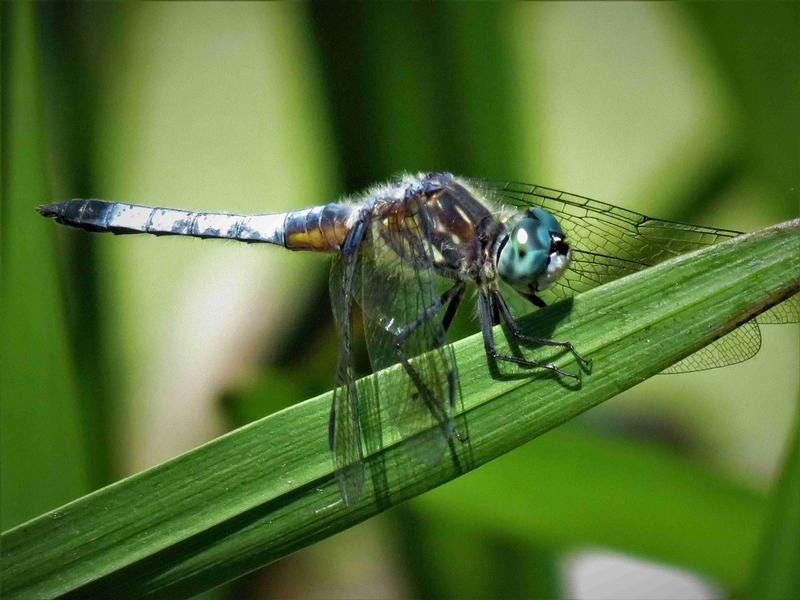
533,254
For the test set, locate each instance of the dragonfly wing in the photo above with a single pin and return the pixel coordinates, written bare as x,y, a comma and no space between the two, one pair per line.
399,287
344,428
610,242
787,311
739,345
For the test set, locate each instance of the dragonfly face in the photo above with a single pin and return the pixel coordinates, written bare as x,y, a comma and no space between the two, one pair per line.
535,253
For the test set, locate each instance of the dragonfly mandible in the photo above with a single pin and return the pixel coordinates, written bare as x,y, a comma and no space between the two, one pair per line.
406,250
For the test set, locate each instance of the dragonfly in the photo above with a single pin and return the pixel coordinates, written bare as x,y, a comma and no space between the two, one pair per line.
405,252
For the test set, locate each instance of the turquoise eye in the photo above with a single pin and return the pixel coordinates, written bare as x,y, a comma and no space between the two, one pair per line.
548,220
523,258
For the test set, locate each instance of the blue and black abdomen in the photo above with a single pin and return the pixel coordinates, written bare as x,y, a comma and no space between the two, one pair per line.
320,228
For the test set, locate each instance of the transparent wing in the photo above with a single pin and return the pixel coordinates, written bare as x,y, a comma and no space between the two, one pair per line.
737,346
399,289
344,427
787,311
610,242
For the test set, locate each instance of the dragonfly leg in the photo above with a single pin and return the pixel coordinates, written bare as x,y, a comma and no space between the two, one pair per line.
517,332
455,300
444,420
427,395
485,310
534,299
451,296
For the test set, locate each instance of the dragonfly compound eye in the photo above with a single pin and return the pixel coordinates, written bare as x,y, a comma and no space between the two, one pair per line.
523,258
535,254
547,220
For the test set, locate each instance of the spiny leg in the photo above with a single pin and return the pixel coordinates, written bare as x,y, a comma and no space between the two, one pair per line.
427,395
517,332
445,422
485,310
451,297
534,299
455,300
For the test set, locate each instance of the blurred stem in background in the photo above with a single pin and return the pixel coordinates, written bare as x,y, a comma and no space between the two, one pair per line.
73,77
777,572
763,81
44,455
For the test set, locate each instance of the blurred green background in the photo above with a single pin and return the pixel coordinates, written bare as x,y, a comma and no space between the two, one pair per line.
118,353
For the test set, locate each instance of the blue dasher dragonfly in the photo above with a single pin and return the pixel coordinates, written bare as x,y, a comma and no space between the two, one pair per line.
405,252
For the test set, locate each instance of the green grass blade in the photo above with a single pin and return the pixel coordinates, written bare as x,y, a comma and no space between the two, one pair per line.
265,490
777,573
43,455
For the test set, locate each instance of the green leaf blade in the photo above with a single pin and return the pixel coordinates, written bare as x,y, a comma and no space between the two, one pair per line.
777,572
44,456
267,489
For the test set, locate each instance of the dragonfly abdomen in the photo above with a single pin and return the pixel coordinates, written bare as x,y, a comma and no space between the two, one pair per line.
121,218
320,228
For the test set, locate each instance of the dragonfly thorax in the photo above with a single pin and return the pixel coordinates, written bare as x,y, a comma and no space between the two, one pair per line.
533,254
